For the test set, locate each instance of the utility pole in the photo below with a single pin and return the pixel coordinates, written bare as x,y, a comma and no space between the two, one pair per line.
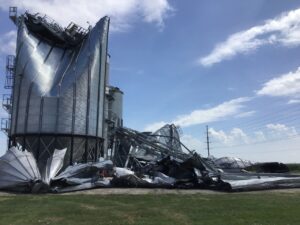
207,141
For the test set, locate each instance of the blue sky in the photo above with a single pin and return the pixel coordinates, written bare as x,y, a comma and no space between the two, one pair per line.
231,65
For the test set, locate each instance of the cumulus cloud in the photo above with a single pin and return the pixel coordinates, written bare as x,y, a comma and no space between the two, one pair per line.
155,11
155,126
284,85
237,136
192,143
280,130
219,112
259,136
8,42
201,116
122,12
283,30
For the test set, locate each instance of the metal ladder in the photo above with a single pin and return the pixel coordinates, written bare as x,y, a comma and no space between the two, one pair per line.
7,98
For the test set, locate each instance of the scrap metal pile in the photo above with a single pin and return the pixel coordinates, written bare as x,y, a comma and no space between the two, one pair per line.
146,160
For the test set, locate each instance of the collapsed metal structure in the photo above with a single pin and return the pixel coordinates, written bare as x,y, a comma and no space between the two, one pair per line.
61,99
60,96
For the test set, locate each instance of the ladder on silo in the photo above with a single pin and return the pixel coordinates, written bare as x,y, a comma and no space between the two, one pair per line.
7,98
13,13
10,72
7,103
5,125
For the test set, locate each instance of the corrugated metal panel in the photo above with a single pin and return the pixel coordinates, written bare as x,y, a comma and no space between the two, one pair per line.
81,104
49,114
53,71
34,114
65,112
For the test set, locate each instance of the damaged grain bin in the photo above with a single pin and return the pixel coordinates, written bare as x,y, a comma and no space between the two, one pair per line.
59,97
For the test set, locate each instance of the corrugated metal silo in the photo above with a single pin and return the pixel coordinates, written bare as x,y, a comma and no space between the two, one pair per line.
59,89
115,106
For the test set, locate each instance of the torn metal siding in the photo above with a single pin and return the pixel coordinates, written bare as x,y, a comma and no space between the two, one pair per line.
46,71
59,88
18,170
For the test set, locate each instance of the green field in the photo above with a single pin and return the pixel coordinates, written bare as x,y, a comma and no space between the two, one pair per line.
294,167
257,208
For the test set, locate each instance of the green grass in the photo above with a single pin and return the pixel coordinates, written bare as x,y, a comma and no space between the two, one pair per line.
294,167
263,208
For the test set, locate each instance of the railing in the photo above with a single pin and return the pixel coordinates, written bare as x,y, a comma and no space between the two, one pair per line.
73,28
7,102
10,72
6,98
13,13
5,125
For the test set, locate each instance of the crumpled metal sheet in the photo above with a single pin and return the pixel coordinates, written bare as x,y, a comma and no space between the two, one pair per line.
232,163
54,165
127,177
120,172
83,176
18,170
84,170
249,182
104,182
161,179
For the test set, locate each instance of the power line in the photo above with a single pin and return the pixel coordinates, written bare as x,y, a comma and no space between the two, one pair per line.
260,142
267,151
262,125
270,119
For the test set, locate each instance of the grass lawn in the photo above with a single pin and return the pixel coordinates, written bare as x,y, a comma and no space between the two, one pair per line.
259,208
294,167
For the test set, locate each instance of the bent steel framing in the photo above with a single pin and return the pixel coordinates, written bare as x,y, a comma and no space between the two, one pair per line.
59,89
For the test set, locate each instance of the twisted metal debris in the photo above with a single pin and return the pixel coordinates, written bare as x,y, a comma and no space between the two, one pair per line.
62,100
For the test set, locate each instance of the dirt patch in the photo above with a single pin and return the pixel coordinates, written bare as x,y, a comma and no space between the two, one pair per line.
6,194
88,206
50,220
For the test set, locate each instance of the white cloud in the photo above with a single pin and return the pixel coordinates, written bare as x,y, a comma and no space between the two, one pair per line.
154,126
233,137
258,146
237,136
284,85
283,30
259,136
192,143
280,130
8,42
246,114
219,112
155,11
293,101
201,116
122,12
